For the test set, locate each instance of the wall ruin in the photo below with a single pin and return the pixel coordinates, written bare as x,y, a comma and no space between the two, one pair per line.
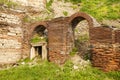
105,48
61,35
10,38
15,40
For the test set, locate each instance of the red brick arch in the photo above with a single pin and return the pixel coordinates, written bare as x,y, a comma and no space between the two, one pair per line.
77,17
35,25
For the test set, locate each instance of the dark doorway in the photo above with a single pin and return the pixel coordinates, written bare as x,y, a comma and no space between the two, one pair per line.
38,51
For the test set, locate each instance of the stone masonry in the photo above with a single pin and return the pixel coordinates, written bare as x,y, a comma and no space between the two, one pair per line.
10,38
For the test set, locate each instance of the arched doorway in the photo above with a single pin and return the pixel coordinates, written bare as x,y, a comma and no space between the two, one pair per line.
81,23
39,41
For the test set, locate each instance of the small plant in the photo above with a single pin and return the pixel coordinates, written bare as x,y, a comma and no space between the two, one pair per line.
26,19
37,39
26,60
83,38
74,51
65,13
74,7
48,6
31,19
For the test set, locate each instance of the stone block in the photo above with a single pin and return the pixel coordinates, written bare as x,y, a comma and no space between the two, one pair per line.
11,34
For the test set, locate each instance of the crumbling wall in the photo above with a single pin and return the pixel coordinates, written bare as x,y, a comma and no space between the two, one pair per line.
10,38
105,48
61,35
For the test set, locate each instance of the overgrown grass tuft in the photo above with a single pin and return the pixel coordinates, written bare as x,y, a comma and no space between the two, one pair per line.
37,39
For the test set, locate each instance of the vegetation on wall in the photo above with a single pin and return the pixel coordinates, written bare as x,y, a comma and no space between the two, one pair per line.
48,6
37,39
74,51
8,3
65,13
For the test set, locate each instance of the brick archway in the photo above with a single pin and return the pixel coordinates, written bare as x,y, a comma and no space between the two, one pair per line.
60,41
79,16
75,20
35,25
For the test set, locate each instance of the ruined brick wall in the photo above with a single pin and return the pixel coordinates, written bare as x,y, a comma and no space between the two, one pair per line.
61,35
10,38
117,36
101,35
105,48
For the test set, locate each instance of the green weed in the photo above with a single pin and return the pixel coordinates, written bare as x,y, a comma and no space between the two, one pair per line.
74,51
65,13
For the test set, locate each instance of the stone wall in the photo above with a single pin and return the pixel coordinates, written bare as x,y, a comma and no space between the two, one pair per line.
36,4
105,48
10,38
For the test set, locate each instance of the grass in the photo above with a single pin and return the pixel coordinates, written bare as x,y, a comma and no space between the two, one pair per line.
49,71
48,6
37,38
100,9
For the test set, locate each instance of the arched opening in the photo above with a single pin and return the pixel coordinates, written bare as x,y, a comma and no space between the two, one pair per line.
38,41
80,23
81,36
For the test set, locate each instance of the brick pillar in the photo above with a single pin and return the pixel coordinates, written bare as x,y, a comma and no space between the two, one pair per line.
58,40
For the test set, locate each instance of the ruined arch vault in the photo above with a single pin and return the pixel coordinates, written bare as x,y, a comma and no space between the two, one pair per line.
60,35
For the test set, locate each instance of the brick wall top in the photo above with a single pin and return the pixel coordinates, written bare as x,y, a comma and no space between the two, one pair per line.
101,35
117,36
